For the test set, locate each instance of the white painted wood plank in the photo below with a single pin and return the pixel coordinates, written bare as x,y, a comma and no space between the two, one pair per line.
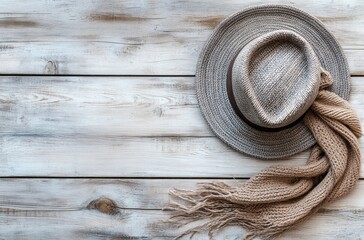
130,157
126,157
61,194
109,106
148,224
139,37
59,209
129,127
355,59
126,106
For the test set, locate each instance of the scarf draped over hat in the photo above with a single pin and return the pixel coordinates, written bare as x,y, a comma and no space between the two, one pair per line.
281,197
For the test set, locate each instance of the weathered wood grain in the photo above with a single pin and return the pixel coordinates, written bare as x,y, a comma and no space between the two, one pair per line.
109,106
60,208
144,37
126,106
129,157
110,127
148,224
93,156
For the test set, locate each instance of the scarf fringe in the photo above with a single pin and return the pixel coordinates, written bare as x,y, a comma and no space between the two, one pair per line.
209,202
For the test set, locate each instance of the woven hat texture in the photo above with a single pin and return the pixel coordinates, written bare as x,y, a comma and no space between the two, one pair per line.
275,53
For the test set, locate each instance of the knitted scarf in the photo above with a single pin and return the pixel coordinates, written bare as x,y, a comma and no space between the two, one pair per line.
281,197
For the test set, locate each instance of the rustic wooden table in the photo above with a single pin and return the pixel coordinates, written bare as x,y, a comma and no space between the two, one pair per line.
91,152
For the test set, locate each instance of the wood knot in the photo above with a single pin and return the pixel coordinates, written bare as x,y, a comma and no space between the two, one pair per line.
51,68
104,205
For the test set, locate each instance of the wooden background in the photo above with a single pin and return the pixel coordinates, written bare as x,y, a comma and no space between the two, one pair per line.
99,117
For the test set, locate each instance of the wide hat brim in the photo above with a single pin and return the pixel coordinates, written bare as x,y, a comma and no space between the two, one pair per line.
228,38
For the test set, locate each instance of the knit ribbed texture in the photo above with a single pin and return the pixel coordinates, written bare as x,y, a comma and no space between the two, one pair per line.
281,197
271,69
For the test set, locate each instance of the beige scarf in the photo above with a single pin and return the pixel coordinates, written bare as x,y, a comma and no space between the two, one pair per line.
281,197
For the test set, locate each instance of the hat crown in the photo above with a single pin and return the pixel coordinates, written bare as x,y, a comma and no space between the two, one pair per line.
275,79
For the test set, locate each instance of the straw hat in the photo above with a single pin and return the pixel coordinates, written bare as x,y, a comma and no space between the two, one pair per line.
258,74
